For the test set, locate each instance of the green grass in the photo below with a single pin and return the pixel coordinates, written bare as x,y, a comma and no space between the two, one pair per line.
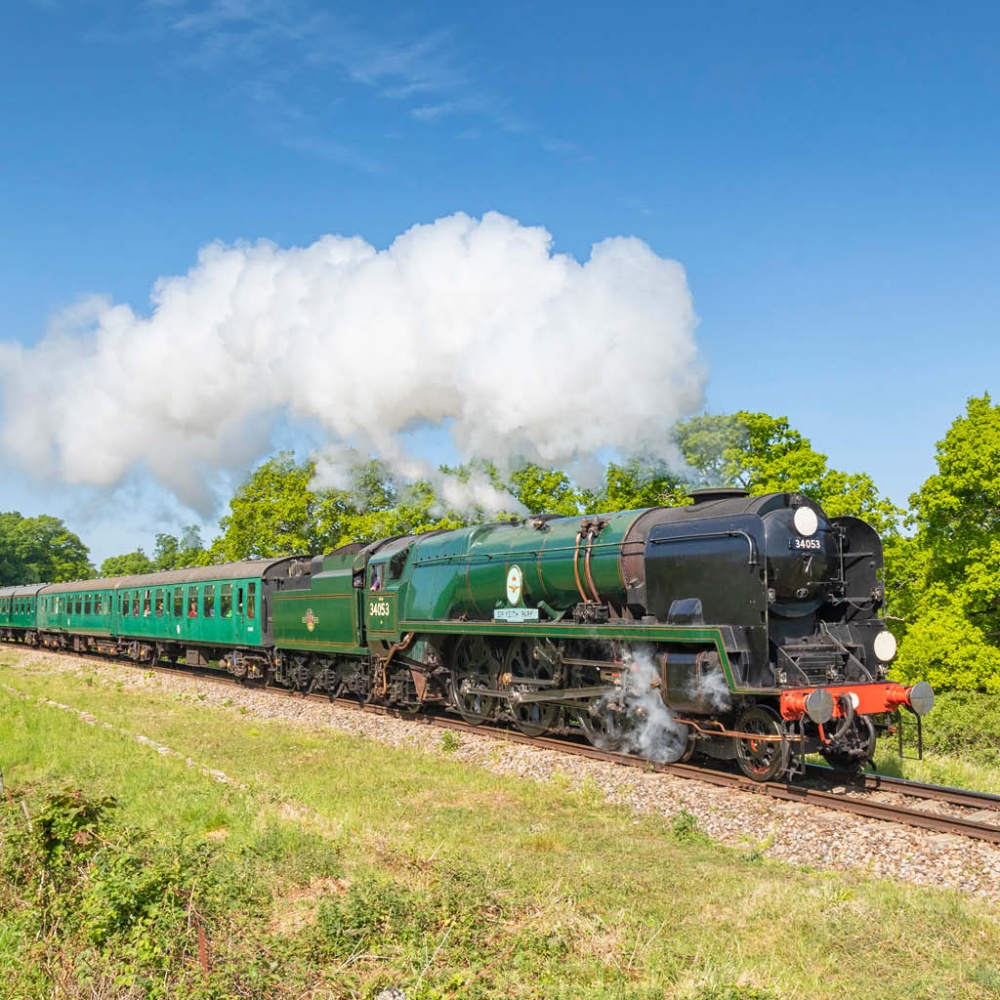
337,865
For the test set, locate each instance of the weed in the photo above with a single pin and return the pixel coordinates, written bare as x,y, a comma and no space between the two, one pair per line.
450,741
684,828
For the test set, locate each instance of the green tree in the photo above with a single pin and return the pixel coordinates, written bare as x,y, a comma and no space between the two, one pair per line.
172,552
950,593
277,512
130,564
638,482
40,550
544,491
764,454
273,513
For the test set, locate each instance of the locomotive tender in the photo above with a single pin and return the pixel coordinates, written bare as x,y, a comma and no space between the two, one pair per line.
740,627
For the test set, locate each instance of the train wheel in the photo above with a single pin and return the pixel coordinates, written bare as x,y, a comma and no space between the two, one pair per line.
473,666
766,758
606,727
534,717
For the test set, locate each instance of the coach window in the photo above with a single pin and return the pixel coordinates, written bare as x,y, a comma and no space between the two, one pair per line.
208,601
251,600
159,603
192,602
135,603
79,605
147,604
178,602
87,605
226,600
126,604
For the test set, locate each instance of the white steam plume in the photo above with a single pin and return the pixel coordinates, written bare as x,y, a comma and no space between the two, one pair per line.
473,324
652,732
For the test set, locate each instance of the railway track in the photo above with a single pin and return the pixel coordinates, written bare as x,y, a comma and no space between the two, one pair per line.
938,809
894,800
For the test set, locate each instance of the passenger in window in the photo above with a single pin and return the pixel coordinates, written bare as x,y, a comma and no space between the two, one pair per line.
193,609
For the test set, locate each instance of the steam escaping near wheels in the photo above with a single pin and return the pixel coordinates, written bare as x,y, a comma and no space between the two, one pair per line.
634,719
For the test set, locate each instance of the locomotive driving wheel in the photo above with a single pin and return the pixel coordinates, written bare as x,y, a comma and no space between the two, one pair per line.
763,756
604,723
534,717
473,666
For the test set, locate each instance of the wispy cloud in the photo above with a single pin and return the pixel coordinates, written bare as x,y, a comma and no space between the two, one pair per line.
278,46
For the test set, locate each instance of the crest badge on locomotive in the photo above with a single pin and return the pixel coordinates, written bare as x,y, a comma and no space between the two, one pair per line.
515,580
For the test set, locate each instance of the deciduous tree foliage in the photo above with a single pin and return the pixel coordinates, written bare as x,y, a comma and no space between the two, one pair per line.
949,590
172,552
40,550
763,454
277,512
130,564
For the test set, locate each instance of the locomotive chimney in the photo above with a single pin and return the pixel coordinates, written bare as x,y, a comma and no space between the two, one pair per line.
717,493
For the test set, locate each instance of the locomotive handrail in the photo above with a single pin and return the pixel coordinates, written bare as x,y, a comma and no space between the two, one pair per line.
711,534
490,557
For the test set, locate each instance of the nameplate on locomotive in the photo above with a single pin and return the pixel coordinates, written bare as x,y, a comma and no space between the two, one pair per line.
515,615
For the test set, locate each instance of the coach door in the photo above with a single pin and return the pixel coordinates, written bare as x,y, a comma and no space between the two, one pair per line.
247,612
232,631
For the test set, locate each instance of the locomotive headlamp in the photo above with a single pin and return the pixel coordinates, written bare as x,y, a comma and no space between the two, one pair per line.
806,522
885,646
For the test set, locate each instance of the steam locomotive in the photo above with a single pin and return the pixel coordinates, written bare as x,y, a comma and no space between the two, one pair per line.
742,628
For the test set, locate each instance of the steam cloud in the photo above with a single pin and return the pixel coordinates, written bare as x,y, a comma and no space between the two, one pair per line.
471,324
652,733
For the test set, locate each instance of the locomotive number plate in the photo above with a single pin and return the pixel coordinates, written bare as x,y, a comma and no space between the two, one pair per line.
806,544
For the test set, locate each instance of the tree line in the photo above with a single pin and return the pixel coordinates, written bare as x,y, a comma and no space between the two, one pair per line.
942,554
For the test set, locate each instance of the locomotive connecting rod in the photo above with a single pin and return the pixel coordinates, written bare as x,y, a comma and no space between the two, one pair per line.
524,697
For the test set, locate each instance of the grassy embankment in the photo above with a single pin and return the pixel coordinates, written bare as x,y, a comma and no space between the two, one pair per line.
335,865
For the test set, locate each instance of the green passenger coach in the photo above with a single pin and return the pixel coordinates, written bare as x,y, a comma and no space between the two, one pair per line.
202,614
18,607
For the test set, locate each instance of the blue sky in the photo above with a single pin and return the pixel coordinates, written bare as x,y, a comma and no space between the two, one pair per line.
826,174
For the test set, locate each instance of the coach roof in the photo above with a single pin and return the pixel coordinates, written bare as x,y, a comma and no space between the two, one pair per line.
248,569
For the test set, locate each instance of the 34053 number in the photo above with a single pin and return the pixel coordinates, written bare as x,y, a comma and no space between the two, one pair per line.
805,544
